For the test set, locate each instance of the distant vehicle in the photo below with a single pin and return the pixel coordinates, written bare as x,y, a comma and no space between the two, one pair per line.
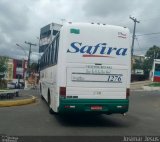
11,85
15,85
86,68
139,71
21,84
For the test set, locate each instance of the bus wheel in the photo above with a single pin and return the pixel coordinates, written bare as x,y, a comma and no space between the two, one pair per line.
51,111
49,103
41,93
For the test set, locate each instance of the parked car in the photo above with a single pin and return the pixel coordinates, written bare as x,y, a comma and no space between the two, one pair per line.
11,85
15,85
21,85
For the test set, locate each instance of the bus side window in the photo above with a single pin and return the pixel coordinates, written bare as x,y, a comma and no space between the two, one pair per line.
52,53
48,55
42,62
56,49
44,59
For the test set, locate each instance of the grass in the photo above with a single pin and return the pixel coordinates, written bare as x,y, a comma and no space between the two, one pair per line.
4,89
155,84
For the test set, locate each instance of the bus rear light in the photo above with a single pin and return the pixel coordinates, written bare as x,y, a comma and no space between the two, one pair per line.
62,92
66,106
127,93
69,106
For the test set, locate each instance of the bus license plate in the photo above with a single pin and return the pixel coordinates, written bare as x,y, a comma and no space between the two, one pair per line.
96,107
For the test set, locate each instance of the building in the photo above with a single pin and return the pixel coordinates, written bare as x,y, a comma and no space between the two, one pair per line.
155,73
47,34
19,69
16,69
9,74
140,58
135,60
137,72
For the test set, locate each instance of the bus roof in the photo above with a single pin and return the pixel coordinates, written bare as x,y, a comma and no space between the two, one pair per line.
94,25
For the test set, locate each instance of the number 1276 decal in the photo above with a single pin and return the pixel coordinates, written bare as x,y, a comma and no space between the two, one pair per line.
115,78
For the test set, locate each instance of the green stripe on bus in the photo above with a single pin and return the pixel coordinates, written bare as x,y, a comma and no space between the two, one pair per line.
84,105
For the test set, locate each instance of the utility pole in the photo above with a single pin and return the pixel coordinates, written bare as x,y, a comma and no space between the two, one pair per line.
134,30
133,37
30,44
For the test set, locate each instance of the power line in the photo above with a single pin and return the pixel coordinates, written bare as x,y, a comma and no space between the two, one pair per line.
141,49
151,18
154,39
138,42
147,34
25,51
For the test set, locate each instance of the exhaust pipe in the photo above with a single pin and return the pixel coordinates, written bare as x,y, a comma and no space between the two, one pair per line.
124,114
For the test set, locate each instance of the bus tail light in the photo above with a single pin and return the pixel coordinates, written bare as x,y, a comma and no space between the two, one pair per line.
62,92
69,106
127,93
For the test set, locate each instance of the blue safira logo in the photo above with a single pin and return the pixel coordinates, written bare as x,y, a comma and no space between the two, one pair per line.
99,50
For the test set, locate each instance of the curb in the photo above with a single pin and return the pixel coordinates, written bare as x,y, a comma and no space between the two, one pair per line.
150,88
17,102
141,82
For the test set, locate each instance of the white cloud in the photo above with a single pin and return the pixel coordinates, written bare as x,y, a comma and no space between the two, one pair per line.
21,20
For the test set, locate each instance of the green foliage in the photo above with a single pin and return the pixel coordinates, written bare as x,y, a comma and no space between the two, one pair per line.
155,84
138,64
3,69
3,84
3,65
33,67
151,54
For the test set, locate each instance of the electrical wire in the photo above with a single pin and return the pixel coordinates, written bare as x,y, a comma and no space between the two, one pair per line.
148,34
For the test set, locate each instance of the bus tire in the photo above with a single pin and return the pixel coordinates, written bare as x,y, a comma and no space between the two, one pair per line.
41,93
42,97
51,111
49,103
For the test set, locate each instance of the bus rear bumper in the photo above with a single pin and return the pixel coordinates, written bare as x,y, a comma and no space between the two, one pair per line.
101,106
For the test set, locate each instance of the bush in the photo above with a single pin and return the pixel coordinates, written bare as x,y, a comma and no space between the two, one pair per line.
3,84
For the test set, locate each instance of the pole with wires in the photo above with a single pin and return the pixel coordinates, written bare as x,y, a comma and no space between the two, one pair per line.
134,30
133,37
30,44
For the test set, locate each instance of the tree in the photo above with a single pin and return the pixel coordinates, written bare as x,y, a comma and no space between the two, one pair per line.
3,66
151,54
3,69
33,67
138,64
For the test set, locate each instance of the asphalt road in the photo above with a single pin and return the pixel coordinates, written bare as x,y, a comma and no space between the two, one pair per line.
139,84
143,118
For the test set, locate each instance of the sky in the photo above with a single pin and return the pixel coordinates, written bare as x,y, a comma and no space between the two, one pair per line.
21,20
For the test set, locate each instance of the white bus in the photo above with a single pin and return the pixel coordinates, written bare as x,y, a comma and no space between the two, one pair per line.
87,69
